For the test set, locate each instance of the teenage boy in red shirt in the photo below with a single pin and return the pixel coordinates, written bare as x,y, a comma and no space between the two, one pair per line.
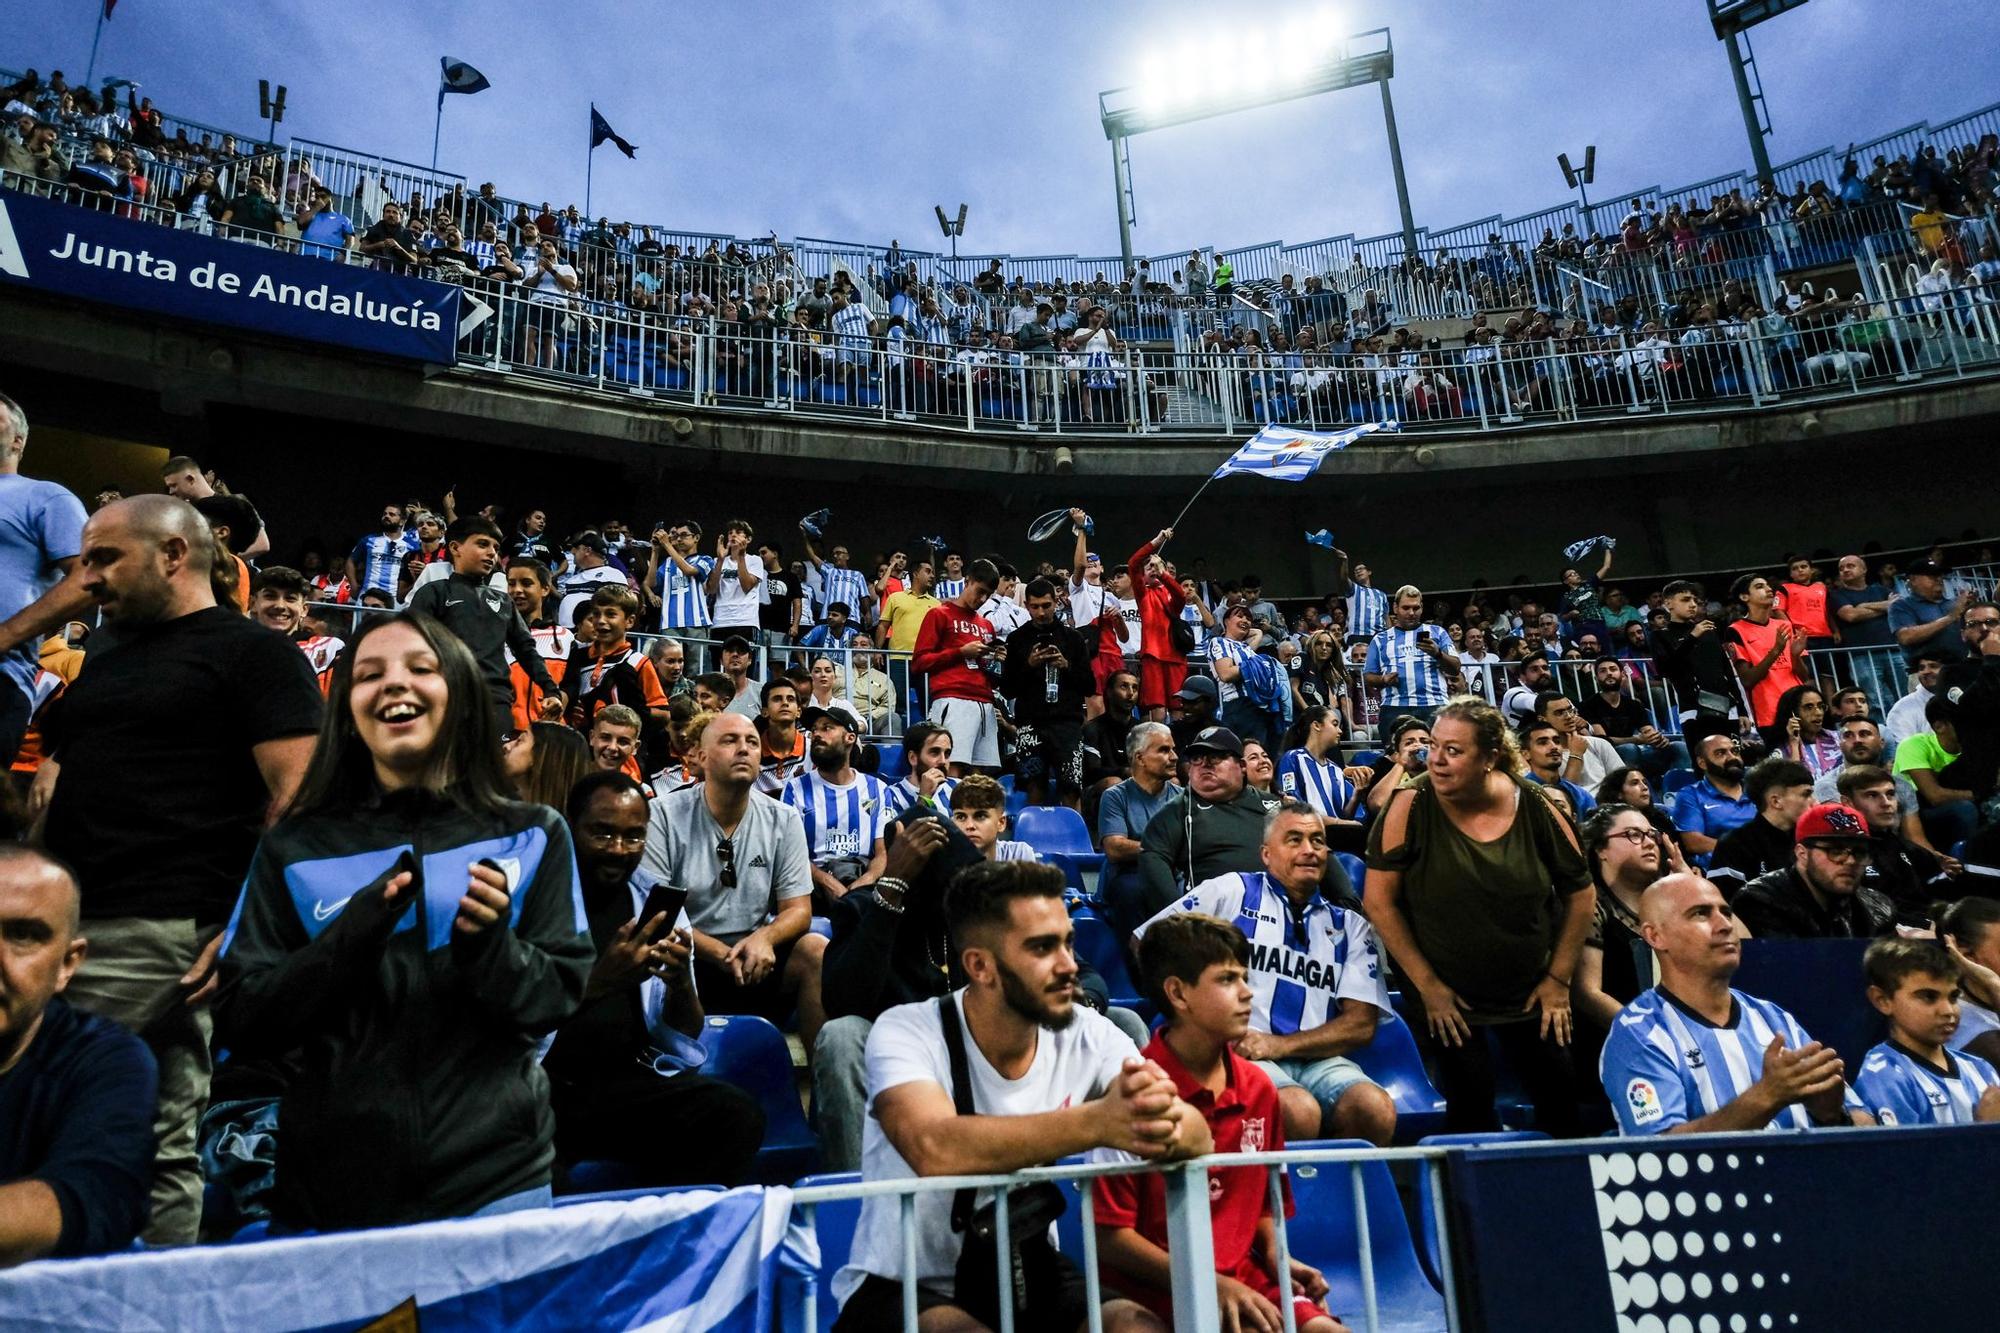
1162,667
1198,970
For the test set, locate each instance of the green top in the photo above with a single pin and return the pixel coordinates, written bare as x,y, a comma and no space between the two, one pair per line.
1483,913
1923,750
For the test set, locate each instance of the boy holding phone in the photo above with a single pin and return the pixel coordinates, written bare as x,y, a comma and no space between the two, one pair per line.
1197,970
1915,1078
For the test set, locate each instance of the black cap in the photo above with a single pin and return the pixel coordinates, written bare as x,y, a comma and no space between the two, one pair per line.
812,713
1198,687
588,540
1215,740
736,643
1930,567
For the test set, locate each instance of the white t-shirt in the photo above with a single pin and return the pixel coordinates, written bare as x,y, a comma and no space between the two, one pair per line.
907,1046
735,608
1004,614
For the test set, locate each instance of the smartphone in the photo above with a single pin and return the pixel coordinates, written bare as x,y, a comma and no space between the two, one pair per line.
664,898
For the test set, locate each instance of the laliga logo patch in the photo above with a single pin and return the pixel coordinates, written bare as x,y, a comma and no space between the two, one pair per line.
1885,1115
1644,1100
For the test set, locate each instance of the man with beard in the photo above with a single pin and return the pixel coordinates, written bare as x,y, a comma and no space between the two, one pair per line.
844,811
1048,676
1050,1081
1716,805
1201,707
620,1081
1104,761
377,560
159,816
927,750
1820,895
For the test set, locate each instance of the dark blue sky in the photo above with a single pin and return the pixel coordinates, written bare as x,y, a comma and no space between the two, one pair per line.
848,121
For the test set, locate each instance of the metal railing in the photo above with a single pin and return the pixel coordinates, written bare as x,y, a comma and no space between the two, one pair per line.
1190,1237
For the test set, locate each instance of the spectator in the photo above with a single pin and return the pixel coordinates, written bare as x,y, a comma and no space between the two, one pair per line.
1860,610
1970,931
314,963
1931,760
930,1114
951,650
1630,786
1303,1037
1821,894
1587,757
870,689
927,751
742,857
1407,759
1531,680
377,559
1626,723
1769,653
1260,771
838,580
620,1080
1916,1077
76,1092
1692,1055
1581,605
1693,661
590,569
1911,876
1780,790
1410,661
1545,757
1367,605
1249,687
905,611
543,761
159,818
1162,663
253,208
324,231
1198,971
1804,736
1711,808
607,669
1906,715
1310,771
392,244
548,287
783,742
1126,811
979,809
39,155
1046,673
745,697
677,578
531,541
1922,618
1460,867
485,619
1973,687
1214,827
1861,744
614,741
844,812
1805,600
41,534
1626,853
1105,760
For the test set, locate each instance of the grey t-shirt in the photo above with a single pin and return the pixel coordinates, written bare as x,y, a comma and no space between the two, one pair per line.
768,852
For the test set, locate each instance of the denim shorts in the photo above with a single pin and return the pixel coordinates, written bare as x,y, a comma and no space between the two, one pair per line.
1327,1080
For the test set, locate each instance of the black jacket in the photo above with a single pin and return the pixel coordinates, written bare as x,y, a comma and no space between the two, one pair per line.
485,620
1744,853
1779,906
418,1093
1973,685
1693,663
1027,685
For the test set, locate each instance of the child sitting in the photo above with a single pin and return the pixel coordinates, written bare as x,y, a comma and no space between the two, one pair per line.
1197,970
1914,1078
979,808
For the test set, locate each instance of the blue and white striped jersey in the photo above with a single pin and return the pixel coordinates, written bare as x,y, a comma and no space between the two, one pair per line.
842,585
378,562
1318,782
903,795
947,589
840,821
1367,611
852,322
1219,646
1664,1065
1420,681
1301,965
685,599
1898,1088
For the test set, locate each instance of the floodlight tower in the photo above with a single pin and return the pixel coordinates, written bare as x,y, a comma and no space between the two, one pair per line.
1222,75
1732,21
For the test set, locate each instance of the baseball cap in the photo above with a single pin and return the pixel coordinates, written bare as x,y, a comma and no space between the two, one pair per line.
1198,687
1930,567
1215,740
1832,822
736,643
812,713
590,541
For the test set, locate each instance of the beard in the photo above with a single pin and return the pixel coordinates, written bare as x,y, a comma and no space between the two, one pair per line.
1733,770
829,758
1033,1005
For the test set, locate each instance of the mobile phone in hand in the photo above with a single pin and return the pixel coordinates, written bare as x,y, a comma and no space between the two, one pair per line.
663,898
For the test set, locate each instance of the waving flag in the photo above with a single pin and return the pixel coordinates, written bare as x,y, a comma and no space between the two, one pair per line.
460,77
1284,453
600,130
1578,550
1322,538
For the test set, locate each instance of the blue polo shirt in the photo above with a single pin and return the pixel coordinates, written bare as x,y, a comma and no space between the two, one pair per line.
1704,810
1909,611
1580,800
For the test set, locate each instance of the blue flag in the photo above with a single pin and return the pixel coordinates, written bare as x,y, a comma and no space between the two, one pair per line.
1322,538
460,77
1578,550
600,130
1284,453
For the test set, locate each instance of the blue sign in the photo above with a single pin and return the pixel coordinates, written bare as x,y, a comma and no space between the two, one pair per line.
134,265
1781,1232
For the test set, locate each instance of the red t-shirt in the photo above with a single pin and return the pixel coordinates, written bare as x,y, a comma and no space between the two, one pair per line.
939,653
1243,1117
1751,642
1804,604
1159,607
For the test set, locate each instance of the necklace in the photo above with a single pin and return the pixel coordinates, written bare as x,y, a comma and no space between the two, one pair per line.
944,946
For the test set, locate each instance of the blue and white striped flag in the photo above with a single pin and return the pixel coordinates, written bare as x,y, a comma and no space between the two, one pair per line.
459,77
1578,550
1284,453
1322,538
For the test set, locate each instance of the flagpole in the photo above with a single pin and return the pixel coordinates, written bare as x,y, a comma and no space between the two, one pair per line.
436,130
1190,504
90,71
589,158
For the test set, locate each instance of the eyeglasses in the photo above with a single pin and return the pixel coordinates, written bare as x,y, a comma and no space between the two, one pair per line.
1843,851
725,852
1638,837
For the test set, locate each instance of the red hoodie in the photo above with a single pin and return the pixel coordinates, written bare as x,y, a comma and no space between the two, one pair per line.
940,653
1160,605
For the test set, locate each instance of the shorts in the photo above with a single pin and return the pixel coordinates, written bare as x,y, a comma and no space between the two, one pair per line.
1050,752
877,1304
1159,681
1327,1080
974,728
1103,667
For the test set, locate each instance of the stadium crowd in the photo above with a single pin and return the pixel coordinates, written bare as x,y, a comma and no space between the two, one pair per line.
454,843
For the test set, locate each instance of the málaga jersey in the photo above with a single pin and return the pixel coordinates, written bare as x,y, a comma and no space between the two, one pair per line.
1301,965
1664,1065
1320,783
841,821
904,794
1900,1088
683,597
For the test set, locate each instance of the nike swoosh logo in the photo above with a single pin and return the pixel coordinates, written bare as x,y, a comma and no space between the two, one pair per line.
323,911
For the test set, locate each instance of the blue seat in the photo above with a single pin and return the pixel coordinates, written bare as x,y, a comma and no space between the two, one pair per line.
1356,868
1677,778
1818,982
1097,943
750,1053
1392,1061
834,1223
1017,801
1325,1232
1007,783
1427,1218
891,767
1058,835
1366,756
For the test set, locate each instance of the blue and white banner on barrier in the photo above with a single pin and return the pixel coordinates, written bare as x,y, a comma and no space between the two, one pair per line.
680,1263
95,256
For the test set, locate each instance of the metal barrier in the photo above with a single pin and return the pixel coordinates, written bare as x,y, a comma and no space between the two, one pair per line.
1190,1238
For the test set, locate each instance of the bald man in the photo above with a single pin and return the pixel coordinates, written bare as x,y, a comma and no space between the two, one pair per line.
76,1092
1692,1056
188,727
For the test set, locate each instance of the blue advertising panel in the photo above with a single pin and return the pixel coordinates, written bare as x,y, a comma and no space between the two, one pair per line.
1785,1231
96,256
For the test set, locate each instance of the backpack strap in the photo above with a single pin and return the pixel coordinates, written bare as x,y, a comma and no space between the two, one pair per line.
961,1093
